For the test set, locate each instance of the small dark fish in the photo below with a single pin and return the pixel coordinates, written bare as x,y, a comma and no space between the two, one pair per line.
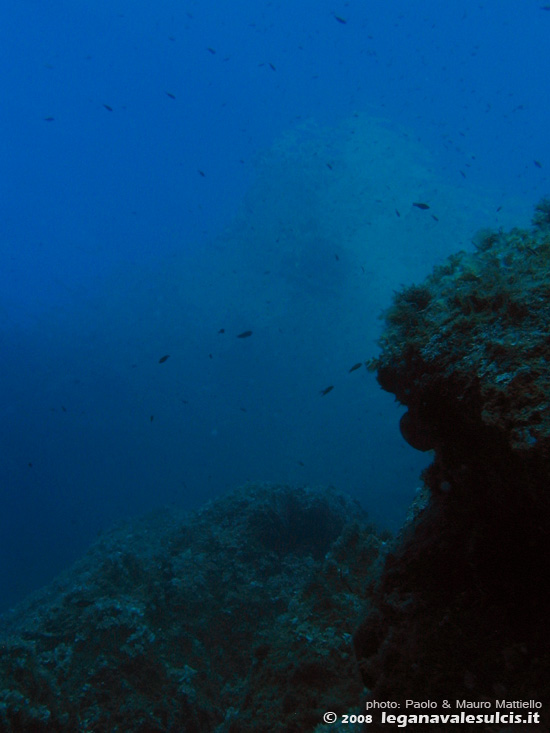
169,94
499,208
30,464
164,358
63,408
301,463
434,217
212,50
545,7
271,66
537,163
242,409
329,166
397,212
49,119
151,418
202,173
326,390
244,335
462,174
210,356
336,257
109,109
222,330
340,19
420,205
356,366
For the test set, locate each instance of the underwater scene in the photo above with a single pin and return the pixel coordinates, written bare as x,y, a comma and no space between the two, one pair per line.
275,374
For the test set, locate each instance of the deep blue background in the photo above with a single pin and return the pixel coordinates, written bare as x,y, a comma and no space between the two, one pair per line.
246,176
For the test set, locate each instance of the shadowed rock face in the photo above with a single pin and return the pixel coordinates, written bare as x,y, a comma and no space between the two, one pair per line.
461,608
470,347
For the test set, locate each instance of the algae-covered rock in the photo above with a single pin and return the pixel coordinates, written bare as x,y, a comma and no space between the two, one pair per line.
470,347
237,618
460,612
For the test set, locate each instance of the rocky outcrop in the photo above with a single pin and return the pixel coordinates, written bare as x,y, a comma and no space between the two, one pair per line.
238,618
461,610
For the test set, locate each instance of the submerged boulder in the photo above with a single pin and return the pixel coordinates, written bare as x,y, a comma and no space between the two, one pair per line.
237,618
460,612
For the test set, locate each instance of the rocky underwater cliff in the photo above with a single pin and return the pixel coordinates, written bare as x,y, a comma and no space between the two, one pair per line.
461,609
273,605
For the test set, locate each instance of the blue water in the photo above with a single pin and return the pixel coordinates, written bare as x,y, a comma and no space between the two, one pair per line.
173,169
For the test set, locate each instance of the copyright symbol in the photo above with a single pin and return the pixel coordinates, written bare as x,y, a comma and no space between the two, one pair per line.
330,717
